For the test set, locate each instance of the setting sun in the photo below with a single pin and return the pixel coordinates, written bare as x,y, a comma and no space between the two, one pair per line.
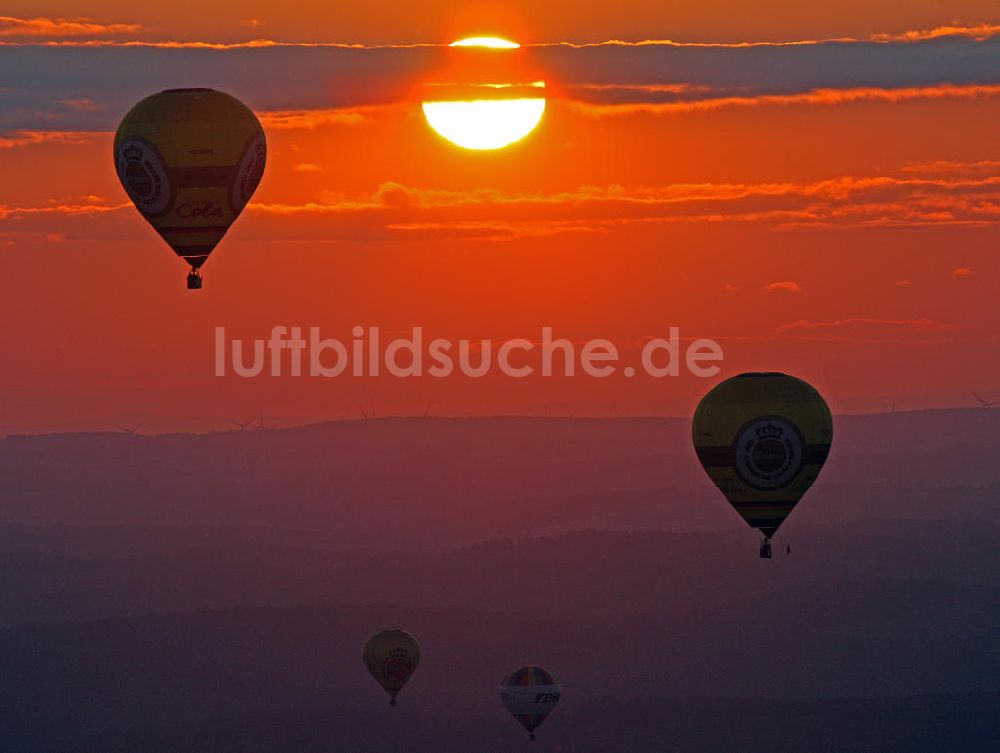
486,114
496,43
485,123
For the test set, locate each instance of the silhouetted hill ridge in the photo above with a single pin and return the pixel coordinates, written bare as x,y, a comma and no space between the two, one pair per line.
437,482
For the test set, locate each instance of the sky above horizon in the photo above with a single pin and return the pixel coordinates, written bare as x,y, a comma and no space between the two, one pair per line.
817,189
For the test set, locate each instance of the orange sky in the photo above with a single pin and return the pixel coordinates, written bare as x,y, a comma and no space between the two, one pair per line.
842,228
557,20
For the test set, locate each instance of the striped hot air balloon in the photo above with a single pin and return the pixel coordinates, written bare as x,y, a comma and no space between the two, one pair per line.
763,439
530,694
190,159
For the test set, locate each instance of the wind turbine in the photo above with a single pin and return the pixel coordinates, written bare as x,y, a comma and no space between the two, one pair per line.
986,404
244,425
127,430
261,426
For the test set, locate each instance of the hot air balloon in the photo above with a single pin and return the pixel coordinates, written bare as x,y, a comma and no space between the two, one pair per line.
530,694
392,657
190,159
763,439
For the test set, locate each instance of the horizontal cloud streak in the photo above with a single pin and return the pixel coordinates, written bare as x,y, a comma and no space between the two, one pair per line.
13,212
315,118
979,32
48,28
785,286
842,203
88,32
948,167
329,76
922,325
32,138
815,97
864,330
252,44
397,211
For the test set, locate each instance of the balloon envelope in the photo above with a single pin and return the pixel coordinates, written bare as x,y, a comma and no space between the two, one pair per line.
763,438
190,159
392,657
530,694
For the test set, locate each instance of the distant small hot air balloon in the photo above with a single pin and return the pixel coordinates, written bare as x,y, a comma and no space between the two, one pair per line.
530,694
763,439
392,657
190,159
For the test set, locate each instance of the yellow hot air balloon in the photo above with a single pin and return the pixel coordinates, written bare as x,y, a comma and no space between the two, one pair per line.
392,657
190,159
763,439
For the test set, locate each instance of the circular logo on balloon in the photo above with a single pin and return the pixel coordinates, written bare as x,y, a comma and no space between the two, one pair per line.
530,699
769,452
248,173
397,666
144,176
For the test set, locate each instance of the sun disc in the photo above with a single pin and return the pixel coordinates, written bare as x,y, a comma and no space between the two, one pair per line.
485,123
496,43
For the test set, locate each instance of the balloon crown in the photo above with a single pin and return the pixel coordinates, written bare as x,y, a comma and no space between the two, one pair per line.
769,431
133,152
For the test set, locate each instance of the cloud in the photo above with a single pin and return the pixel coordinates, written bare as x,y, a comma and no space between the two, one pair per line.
788,286
978,32
33,138
960,272
310,119
395,210
855,323
91,32
863,330
308,167
8,211
53,28
695,45
814,97
950,167
344,78
250,44
644,88
81,105
851,202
